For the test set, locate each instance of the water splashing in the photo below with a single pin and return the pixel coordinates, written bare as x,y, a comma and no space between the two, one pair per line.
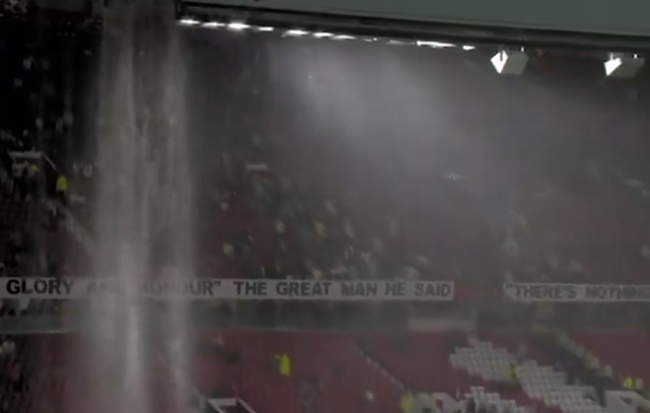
144,210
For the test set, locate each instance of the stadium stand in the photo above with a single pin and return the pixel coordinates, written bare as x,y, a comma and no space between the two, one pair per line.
278,204
328,371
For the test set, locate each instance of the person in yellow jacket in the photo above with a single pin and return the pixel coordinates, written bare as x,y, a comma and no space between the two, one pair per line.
62,188
628,383
284,364
512,374
33,174
320,228
406,405
512,379
33,170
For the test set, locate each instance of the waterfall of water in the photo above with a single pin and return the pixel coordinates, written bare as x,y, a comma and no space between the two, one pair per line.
145,201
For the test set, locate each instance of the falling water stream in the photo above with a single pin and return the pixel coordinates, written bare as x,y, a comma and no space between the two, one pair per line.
144,209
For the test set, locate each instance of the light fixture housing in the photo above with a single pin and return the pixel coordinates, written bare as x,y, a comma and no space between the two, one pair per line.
623,66
510,62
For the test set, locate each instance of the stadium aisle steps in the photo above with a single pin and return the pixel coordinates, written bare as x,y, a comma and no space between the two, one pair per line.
597,347
577,368
410,359
378,366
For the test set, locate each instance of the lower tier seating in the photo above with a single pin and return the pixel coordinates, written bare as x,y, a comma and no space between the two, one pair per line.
630,362
329,372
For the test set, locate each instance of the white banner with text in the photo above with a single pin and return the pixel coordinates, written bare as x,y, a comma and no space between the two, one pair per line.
576,293
211,288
